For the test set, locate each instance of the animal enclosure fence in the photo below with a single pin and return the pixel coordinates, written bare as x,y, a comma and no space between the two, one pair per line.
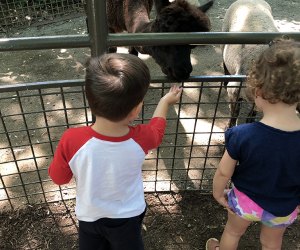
186,160
29,133
16,13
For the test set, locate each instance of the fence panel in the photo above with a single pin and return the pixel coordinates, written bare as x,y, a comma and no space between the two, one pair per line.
17,13
33,119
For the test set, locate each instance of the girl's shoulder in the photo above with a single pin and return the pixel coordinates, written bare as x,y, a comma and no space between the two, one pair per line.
243,128
259,127
258,131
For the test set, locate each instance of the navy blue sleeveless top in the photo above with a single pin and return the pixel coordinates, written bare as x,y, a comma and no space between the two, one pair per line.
268,169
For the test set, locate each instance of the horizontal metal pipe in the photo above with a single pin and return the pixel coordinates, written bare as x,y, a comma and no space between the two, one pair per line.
165,79
44,42
71,83
40,85
137,39
197,38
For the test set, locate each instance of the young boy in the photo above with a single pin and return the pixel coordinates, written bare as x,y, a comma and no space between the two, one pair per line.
106,158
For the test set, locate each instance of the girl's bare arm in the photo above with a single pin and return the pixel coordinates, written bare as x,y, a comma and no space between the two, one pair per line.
221,178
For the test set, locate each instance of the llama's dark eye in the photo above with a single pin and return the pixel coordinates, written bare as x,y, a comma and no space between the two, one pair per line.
193,46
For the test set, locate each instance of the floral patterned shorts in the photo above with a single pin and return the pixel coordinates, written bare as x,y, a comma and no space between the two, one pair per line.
247,209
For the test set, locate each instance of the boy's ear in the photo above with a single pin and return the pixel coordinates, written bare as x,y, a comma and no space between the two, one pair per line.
134,113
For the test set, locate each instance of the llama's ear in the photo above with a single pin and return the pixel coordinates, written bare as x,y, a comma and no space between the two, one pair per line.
205,7
160,4
145,50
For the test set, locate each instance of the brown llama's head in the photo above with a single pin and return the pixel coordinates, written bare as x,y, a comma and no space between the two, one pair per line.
178,16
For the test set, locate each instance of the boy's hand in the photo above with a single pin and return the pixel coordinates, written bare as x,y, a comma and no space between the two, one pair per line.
170,98
173,95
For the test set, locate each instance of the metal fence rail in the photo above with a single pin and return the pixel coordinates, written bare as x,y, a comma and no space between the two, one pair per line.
189,154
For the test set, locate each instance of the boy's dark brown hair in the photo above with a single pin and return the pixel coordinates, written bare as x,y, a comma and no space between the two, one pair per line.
115,84
277,73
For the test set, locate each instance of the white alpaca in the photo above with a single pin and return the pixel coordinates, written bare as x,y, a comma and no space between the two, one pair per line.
244,16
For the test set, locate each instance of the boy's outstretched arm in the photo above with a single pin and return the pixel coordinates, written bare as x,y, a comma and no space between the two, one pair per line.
168,99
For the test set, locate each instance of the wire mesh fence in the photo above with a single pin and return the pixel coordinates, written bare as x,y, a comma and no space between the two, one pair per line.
16,13
31,124
34,118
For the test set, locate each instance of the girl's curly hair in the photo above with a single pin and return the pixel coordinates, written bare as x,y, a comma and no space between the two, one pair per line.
277,73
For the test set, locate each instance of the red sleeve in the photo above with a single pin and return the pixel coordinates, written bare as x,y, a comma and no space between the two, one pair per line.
150,135
59,169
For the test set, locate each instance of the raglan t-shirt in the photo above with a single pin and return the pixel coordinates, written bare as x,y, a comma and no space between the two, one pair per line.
268,168
107,170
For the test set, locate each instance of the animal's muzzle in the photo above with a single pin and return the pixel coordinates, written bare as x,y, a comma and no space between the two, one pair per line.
179,74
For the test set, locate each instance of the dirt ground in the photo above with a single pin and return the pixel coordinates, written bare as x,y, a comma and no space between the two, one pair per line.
173,221
183,220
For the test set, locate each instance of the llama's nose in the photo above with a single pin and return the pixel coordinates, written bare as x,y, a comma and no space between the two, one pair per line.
182,73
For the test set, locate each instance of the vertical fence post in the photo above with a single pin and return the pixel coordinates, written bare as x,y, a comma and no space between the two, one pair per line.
97,26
